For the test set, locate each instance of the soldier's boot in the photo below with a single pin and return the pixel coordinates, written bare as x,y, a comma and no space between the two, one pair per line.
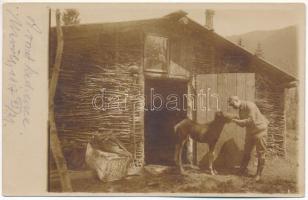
243,171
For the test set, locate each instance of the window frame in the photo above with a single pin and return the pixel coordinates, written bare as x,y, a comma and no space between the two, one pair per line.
165,69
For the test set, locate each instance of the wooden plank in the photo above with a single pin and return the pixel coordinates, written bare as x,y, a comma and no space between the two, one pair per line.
201,88
231,141
241,93
250,96
212,103
54,140
200,114
207,99
226,88
227,140
191,114
250,86
240,85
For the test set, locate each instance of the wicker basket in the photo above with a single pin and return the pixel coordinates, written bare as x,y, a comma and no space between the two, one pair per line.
109,166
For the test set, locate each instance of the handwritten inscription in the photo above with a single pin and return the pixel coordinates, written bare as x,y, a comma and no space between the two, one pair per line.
20,67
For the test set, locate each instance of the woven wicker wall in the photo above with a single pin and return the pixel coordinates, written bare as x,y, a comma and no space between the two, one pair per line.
270,100
93,61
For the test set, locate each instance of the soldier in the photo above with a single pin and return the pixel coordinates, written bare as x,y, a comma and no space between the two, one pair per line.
256,131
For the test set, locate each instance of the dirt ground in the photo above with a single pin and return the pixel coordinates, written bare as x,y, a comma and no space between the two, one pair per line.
280,176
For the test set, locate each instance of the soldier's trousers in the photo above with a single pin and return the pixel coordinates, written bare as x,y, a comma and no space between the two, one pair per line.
255,140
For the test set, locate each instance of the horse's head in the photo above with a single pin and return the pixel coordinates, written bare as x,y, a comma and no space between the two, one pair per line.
224,117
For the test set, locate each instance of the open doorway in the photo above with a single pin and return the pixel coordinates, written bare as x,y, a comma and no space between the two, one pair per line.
160,120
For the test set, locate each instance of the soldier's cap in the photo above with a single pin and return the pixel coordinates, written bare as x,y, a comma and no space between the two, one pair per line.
233,98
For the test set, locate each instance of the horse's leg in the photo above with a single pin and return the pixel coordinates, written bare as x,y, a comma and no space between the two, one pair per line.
189,146
180,156
211,160
176,154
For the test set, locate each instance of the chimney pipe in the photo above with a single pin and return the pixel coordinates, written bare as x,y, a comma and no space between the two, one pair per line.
209,15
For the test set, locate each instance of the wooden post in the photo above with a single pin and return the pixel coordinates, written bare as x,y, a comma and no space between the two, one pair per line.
141,83
191,105
133,118
284,134
191,145
54,140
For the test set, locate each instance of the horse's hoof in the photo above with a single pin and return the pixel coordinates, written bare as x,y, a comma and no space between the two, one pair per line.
213,172
194,167
184,173
258,178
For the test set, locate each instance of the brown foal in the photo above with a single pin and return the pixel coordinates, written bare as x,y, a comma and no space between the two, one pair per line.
204,133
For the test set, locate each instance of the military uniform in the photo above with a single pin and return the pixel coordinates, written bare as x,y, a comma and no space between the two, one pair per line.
256,132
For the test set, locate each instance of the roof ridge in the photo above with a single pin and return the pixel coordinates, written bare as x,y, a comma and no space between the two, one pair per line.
247,51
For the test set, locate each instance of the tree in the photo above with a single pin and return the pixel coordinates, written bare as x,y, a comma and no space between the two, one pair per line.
259,51
70,17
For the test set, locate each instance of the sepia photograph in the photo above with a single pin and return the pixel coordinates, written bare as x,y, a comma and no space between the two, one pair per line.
171,104
162,99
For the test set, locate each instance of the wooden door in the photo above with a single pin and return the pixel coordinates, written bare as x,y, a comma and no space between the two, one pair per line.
216,88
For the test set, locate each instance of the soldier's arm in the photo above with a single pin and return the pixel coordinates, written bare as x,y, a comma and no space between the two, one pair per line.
249,120
243,122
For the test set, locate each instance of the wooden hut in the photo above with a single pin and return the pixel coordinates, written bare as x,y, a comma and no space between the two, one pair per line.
124,61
